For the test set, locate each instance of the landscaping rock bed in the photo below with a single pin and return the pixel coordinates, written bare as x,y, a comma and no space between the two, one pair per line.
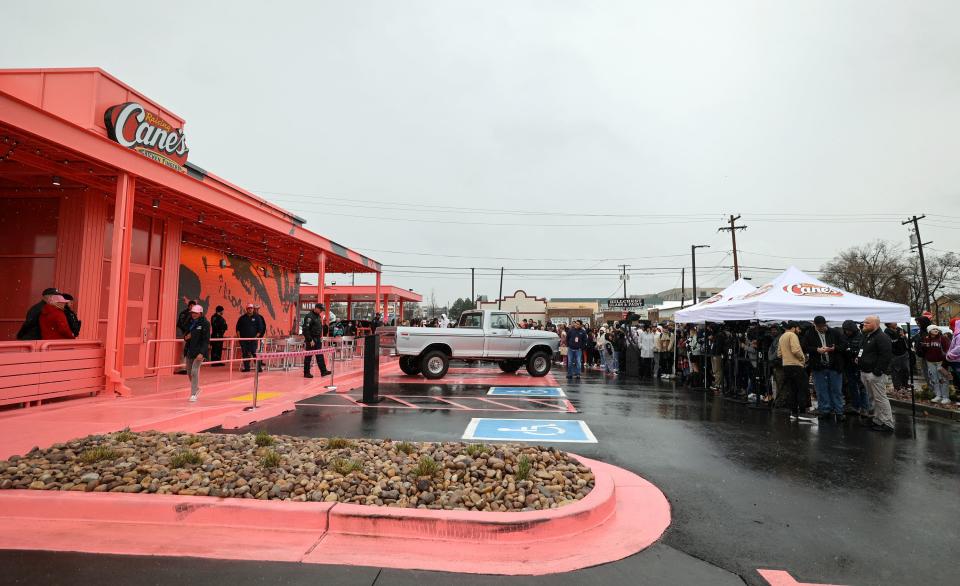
451,475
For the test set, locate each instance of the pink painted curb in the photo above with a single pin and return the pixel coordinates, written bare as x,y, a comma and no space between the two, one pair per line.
622,515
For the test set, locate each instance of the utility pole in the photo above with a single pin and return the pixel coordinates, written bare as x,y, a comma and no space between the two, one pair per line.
473,297
683,285
733,234
917,243
624,278
500,298
693,261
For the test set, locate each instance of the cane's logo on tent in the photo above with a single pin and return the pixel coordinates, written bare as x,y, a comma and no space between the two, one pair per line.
812,290
714,299
760,291
131,125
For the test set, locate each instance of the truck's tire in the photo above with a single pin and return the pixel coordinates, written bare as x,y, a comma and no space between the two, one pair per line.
510,366
409,365
434,364
539,363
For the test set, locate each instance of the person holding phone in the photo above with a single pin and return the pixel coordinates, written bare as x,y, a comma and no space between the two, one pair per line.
823,346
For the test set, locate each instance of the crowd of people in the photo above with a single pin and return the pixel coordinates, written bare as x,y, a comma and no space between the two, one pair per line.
850,367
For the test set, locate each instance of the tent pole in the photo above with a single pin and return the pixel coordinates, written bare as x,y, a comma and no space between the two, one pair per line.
913,394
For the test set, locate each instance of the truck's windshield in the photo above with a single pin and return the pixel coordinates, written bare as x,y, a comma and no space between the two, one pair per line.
471,320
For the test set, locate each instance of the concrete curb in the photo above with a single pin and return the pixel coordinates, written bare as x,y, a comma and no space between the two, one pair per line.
928,410
622,515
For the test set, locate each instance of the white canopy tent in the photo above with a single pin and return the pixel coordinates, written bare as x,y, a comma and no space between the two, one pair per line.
795,295
692,314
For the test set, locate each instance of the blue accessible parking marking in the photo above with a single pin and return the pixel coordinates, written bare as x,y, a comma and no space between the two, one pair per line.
531,430
526,392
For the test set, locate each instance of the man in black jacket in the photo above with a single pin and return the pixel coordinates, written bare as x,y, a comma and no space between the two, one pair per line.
874,363
196,346
823,346
900,365
248,326
183,320
218,329
855,393
30,330
312,338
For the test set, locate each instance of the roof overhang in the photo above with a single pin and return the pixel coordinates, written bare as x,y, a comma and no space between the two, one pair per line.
215,213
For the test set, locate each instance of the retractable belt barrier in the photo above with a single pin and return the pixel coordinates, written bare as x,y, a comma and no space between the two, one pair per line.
294,354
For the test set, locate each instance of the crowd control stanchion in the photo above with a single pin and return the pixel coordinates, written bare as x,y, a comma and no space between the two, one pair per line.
371,369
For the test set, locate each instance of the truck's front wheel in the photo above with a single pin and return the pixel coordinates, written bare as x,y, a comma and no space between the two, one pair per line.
409,365
434,364
538,363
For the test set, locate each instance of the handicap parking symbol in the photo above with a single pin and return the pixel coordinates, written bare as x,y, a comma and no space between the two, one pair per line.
531,430
526,392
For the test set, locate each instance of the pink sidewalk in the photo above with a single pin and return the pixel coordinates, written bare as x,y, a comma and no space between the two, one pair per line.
221,403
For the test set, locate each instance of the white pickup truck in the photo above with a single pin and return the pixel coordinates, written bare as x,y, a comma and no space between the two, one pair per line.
479,335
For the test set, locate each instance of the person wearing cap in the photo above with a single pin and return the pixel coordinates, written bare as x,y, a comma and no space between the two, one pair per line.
312,339
794,376
824,346
183,320
72,318
30,330
248,326
933,348
874,362
218,329
196,346
53,321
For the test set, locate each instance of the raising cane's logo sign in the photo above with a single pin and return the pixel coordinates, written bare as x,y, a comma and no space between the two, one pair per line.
132,126
714,299
812,290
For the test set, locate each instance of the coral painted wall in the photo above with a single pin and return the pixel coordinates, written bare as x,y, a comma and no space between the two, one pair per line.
240,282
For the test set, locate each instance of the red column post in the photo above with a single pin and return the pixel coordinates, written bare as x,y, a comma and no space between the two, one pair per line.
321,284
119,282
376,303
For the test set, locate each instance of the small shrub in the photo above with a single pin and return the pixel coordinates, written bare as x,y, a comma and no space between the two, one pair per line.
406,447
185,458
338,443
345,466
522,471
98,454
271,459
426,466
263,439
474,450
189,440
124,436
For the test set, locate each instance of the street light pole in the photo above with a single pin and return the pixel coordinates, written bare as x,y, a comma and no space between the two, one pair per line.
693,261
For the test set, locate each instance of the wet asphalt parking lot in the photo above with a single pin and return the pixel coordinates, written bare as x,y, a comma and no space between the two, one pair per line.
832,503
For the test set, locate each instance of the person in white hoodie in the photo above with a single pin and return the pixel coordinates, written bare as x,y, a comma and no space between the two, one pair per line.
647,345
444,321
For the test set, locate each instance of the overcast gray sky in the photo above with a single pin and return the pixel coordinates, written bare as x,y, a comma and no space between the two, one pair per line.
488,134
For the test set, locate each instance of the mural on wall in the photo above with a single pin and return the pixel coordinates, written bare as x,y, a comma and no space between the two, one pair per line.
241,281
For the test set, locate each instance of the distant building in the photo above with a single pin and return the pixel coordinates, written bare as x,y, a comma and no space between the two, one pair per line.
948,307
520,306
564,311
687,294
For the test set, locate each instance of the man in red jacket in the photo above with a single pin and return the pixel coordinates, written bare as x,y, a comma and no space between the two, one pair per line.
53,321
